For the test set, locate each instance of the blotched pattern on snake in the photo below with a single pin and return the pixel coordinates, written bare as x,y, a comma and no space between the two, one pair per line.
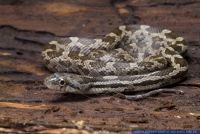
129,58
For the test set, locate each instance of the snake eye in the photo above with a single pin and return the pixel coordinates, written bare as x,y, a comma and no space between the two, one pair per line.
62,82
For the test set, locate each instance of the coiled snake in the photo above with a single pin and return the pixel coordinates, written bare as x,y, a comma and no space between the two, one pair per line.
130,58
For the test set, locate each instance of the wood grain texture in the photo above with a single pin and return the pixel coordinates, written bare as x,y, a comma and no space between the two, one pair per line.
25,28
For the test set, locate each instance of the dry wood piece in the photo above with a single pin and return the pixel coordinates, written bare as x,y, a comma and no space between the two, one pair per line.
25,28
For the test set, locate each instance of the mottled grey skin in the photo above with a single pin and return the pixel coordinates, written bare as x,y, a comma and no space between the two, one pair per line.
130,58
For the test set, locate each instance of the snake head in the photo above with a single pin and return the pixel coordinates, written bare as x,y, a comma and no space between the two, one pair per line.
65,82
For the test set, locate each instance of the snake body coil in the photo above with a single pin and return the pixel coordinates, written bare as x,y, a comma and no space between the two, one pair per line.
130,58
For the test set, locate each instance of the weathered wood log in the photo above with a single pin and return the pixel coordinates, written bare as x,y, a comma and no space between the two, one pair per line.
25,28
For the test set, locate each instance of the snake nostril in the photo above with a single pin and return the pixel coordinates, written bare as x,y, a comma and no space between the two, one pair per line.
19,53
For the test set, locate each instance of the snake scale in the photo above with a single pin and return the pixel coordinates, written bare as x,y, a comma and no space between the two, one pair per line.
129,58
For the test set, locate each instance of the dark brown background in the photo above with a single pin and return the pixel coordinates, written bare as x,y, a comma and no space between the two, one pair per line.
27,106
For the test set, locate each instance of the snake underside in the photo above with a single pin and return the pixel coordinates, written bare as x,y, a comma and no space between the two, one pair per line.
129,58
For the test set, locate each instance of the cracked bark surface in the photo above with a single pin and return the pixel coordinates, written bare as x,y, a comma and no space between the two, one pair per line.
27,106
